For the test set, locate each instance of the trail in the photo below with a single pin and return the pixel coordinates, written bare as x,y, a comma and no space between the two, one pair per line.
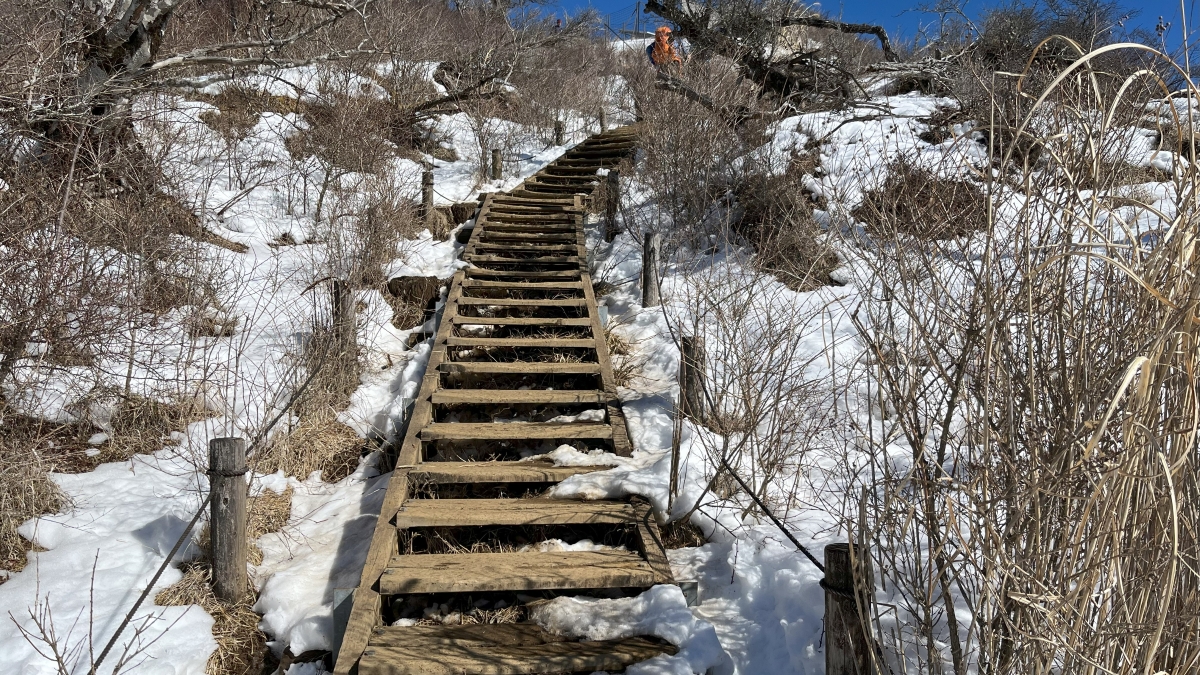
465,544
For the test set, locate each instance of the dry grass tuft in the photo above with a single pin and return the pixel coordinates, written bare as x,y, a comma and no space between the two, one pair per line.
239,110
142,425
266,513
777,219
26,491
241,646
918,203
318,443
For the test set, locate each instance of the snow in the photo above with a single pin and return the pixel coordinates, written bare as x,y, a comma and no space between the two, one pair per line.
660,611
124,519
322,548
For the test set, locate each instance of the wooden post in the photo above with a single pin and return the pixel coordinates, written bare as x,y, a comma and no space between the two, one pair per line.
227,528
650,248
847,650
603,121
612,202
559,133
691,377
497,170
427,194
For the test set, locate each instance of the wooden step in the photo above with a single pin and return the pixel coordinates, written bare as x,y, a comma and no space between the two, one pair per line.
540,260
524,274
526,396
554,343
519,368
459,319
513,513
497,649
480,572
503,236
517,431
536,285
524,247
522,302
453,473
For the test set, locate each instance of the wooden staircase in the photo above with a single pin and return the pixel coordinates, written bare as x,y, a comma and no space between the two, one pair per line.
519,367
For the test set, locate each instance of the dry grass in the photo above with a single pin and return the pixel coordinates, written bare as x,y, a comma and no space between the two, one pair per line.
239,110
266,513
318,443
241,646
916,202
777,219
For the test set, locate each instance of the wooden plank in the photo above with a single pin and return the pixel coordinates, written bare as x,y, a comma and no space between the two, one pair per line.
524,302
535,260
512,512
479,572
562,343
498,236
651,542
621,444
517,321
495,472
537,285
520,368
498,649
478,272
522,247
524,396
483,431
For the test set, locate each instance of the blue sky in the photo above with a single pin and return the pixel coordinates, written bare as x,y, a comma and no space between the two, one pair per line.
892,14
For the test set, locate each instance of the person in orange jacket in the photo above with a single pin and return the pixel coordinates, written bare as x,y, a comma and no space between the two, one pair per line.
662,53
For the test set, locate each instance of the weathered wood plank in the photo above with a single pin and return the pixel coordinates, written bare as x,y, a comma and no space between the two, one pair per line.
524,302
512,512
479,572
498,649
519,368
652,543
527,396
495,472
518,321
534,285
521,342
458,431
537,260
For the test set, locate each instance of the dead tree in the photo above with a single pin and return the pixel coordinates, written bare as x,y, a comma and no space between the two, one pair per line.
751,37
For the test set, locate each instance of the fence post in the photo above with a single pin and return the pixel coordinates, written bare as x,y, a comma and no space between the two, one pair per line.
603,121
650,248
847,651
227,527
427,194
613,200
691,376
497,170
559,133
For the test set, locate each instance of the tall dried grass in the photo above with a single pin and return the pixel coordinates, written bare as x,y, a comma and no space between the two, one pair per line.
1045,519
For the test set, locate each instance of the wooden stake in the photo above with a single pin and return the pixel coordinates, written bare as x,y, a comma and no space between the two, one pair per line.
613,195
559,133
847,650
650,248
497,169
691,377
603,121
227,529
427,194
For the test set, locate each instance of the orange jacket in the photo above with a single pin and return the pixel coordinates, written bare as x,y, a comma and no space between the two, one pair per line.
661,52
